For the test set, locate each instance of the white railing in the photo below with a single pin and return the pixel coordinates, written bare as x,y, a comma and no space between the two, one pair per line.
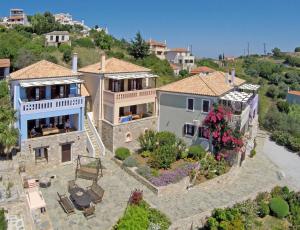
89,146
241,119
95,132
51,105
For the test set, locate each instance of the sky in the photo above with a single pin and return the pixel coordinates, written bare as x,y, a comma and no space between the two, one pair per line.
210,27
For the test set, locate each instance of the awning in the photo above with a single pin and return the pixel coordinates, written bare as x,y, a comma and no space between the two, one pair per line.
130,76
237,96
53,82
250,87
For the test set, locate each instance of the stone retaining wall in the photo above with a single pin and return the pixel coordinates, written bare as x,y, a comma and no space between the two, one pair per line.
179,187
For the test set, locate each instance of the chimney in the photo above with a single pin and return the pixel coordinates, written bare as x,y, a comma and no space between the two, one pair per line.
227,78
74,63
102,57
232,75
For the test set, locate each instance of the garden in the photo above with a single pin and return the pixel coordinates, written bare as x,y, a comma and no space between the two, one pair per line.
165,159
140,216
279,209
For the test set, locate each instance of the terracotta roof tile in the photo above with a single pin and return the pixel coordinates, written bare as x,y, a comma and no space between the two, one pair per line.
174,67
179,50
114,65
4,63
156,43
42,69
294,92
211,85
202,69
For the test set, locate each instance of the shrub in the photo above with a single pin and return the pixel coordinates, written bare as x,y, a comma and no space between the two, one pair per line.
144,171
252,153
279,207
135,217
166,138
146,153
164,156
294,144
136,197
283,106
173,176
280,137
272,91
130,162
263,209
158,218
263,197
3,222
212,223
84,42
196,152
122,153
148,140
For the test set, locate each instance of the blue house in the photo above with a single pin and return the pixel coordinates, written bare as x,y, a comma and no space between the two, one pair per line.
50,112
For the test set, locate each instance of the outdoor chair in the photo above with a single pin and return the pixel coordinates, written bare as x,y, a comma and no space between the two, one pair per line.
66,204
96,193
71,185
89,212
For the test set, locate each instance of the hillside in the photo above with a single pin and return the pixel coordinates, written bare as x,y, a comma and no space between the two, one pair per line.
26,45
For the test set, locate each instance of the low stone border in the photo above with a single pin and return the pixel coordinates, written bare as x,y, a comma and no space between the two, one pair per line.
171,188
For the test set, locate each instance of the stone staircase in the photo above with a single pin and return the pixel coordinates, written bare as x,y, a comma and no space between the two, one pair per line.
92,138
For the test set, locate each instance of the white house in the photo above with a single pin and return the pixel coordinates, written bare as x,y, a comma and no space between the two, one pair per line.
56,38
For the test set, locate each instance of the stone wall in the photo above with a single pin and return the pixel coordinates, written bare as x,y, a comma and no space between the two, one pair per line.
126,134
53,142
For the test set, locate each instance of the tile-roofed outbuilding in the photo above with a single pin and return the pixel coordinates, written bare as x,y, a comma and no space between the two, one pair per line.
58,33
294,92
202,69
114,65
42,69
181,50
213,84
4,63
156,43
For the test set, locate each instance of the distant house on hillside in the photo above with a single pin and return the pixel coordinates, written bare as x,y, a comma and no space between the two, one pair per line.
202,70
56,38
158,48
4,68
176,69
17,17
181,57
229,58
293,97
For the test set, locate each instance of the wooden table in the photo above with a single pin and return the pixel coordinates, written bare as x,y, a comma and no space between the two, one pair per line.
80,197
48,131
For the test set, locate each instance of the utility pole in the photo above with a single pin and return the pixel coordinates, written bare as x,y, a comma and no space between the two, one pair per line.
265,49
248,48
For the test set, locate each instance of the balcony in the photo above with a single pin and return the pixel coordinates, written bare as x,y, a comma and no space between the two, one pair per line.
130,97
51,105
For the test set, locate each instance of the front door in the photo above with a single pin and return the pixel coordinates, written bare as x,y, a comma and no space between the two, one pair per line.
65,153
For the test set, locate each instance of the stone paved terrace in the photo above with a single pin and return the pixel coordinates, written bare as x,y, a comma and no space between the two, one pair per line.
257,174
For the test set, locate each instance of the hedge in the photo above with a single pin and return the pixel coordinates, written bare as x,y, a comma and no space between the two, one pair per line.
279,207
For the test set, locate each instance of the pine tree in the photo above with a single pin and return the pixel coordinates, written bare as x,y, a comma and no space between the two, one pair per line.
138,48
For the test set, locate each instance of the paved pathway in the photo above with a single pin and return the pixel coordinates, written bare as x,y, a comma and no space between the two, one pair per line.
257,174
288,162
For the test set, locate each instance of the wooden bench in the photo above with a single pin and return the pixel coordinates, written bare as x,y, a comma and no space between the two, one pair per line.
96,193
66,204
87,173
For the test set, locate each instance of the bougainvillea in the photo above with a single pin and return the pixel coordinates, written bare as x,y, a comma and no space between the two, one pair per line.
223,137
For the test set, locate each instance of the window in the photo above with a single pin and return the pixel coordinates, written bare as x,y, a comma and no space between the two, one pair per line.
51,38
190,104
205,106
189,130
62,37
202,132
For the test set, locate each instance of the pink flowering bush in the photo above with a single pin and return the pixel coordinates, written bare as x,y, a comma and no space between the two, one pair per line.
223,136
